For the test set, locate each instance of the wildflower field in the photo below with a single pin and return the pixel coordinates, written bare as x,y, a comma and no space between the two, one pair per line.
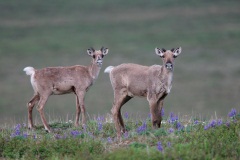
178,138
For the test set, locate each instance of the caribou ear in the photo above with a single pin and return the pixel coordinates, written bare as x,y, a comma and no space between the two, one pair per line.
104,51
177,51
160,52
90,51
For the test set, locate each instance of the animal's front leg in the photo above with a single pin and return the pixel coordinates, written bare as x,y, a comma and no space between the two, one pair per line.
78,111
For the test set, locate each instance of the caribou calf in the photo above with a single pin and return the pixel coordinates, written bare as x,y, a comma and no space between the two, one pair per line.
153,82
63,80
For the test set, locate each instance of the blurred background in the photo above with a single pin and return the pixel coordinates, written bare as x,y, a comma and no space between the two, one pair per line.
58,33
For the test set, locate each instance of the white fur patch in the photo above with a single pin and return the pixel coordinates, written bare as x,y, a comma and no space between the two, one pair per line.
108,69
170,76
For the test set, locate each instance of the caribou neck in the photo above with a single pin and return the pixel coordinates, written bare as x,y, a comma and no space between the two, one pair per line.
94,70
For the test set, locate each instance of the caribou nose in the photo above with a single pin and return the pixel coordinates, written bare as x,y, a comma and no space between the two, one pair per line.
169,66
99,61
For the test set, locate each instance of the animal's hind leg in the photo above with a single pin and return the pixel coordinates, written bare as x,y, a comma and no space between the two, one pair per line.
125,100
119,101
30,106
40,108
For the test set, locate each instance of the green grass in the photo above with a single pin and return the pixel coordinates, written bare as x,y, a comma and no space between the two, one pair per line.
98,140
58,33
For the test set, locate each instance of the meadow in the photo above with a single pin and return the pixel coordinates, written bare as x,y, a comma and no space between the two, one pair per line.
42,34
58,33
178,138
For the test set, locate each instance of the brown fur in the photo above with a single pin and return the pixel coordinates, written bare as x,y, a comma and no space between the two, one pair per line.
63,80
153,82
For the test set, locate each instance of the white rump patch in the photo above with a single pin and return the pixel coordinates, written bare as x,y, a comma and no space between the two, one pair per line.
29,70
108,69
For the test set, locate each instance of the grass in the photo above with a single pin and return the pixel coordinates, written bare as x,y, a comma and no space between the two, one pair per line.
178,138
58,33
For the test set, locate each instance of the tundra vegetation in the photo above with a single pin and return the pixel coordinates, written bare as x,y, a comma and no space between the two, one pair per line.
178,138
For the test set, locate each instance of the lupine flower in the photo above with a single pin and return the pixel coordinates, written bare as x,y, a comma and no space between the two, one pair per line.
17,131
100,126
142,128
85,128
109,139
206,127
126,115
171,130
169,144
100,118
196,122
179,126
75,133
213,123
232,113
25,135
219,122
172,118
228,124
159,146
58,136
126,135
162,112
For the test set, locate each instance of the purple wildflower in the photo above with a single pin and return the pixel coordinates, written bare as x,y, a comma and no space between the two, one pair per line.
58,136
213,123
179,126
100,126
75,133
126,115
126,135
109,139
159,146
169,144
219,122
171,130
162,112
196,122
25,135
142,128
100,118
232,113
85,128
228,124
206,127
172,118
17,131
